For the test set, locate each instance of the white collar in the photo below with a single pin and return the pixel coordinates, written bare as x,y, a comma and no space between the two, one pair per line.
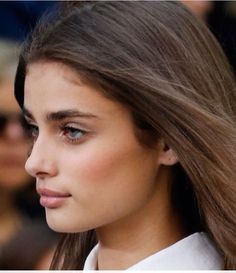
195,252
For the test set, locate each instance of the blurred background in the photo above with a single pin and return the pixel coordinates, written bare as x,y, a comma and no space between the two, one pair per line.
26,242
220,16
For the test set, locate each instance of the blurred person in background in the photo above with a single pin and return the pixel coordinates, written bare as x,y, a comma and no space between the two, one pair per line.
24,244
199,8
18,201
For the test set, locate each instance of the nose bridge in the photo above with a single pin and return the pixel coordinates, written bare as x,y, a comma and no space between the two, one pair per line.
41,159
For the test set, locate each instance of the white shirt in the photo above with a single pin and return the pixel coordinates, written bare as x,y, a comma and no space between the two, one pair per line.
195,252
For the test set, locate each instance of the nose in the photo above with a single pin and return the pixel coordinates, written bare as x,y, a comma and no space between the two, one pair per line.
41,161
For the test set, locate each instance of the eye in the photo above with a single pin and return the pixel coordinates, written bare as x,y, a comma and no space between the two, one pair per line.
32,131
72,134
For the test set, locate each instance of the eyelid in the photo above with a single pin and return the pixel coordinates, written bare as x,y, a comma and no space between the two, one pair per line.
61,127
30,123
67,131
30,130
76,125
29,120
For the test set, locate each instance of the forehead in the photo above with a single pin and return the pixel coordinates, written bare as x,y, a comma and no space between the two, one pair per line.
57,71
51,86
7,100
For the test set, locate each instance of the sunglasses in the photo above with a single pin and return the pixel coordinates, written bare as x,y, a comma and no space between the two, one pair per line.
6,118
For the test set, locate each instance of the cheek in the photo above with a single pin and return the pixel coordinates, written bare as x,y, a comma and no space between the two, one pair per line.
106,184
117,171
92,167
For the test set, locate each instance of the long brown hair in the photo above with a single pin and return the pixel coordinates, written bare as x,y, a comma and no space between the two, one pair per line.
165,66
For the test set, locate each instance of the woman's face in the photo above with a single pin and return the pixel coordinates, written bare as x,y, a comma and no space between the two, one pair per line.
91,170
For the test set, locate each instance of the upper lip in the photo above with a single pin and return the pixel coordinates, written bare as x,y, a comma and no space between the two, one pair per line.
51,193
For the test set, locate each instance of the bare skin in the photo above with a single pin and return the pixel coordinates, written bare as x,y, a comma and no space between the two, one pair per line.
130,241
108,180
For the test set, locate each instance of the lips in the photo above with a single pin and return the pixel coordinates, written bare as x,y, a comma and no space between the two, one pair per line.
52,199
51,193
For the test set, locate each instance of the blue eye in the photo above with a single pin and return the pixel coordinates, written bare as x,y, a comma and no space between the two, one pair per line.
72,134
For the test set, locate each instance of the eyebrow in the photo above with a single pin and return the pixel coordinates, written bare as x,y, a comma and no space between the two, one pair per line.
60,115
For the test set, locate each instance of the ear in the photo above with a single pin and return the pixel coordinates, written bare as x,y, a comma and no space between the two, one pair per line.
167,156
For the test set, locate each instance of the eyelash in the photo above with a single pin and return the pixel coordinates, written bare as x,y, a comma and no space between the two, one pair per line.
29,128
65,130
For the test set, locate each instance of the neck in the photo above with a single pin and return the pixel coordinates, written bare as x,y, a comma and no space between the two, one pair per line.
137,236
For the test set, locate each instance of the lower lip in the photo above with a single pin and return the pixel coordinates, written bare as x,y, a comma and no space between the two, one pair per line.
52,202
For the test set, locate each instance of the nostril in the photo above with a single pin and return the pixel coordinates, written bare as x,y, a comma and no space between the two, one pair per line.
41,175
39,167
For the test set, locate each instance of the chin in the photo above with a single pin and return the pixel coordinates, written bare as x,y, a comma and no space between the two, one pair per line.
66,229
66,226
